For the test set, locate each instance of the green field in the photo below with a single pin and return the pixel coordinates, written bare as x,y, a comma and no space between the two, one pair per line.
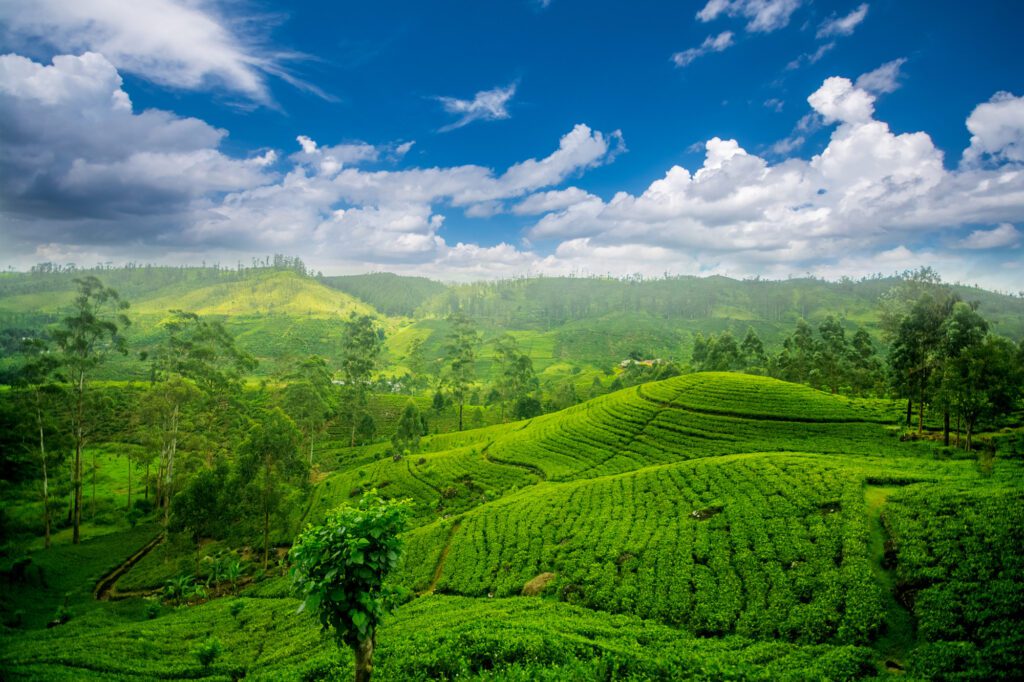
708,526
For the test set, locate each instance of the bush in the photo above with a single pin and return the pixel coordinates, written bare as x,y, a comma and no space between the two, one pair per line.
208,651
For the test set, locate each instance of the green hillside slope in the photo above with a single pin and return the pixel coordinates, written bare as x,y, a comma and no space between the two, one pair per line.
708,526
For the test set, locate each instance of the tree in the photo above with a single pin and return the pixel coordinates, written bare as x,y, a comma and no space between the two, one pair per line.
309,398
753,349
360,349
461,359
36,378
269,460
916,352
796,360
83,341
832,353
338,569
516,379
197,358
410,429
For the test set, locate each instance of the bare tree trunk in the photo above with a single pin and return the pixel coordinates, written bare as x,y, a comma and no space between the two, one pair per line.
945,427
46,482
910,410
266,536
460,415
76,533
170,465
958,429
364,658
920,412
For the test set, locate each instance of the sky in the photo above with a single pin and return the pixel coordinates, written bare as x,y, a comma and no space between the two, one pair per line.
477,140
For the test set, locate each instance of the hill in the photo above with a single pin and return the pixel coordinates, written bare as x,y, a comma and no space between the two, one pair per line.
711,525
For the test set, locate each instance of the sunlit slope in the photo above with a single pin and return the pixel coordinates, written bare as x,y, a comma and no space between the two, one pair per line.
764,545
654,424
277,293
697,415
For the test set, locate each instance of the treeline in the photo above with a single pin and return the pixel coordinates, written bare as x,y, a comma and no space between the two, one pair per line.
210,457
549,302
943,355
388,293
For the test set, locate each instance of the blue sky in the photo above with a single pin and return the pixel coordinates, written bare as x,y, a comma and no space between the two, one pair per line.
466,140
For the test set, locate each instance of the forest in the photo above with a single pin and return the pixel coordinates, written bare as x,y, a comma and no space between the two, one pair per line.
264,472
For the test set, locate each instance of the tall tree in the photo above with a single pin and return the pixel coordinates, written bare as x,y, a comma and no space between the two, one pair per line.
36,378
338,569
753,349
916,350
410,429
832,354
270,460
84,340
361,346
196,362
461,359
309,398
516,381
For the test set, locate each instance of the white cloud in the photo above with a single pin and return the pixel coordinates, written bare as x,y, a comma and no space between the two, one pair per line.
838,100
853,206
177,43
810,57
486,105
843,26
997,131
74,147
83,174
884,79
1002,236
711,44
554,200
763,16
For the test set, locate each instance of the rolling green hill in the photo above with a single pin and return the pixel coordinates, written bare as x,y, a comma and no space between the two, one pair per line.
708,526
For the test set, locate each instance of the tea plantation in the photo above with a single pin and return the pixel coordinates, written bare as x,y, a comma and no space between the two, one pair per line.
710,526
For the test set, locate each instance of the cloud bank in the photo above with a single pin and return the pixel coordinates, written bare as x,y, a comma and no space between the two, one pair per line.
84,174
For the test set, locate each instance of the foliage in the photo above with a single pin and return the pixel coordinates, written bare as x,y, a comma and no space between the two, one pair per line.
339,570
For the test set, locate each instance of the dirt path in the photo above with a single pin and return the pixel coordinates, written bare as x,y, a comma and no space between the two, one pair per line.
900,631
442,558
105,585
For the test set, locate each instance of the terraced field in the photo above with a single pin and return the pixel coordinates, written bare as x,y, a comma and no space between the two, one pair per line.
710,526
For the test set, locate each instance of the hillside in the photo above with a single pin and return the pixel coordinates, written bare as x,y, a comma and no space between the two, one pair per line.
565,324
731,523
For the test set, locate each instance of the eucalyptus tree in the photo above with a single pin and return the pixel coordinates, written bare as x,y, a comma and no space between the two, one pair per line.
361,345
83,341
269,460
196,360
460,354
516,380
309,398
37,380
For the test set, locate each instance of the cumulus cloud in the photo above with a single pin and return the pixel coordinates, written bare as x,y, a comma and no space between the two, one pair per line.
486,105
84,174
764,16
884,79
865,196
74,147
845,25
997,131
1005,235
717,43
838,100
177,43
